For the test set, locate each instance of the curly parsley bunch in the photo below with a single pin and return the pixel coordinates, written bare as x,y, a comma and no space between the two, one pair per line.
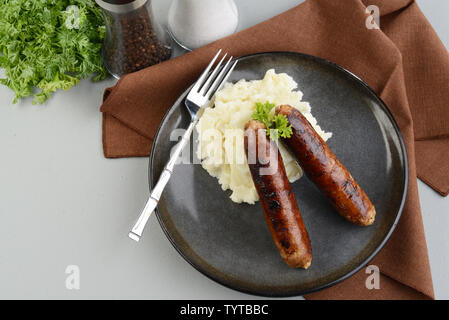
46,45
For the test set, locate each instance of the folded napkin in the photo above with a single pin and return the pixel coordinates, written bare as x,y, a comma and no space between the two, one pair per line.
404,62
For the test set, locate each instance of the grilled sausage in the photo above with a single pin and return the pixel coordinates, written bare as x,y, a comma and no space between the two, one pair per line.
325,170
278,202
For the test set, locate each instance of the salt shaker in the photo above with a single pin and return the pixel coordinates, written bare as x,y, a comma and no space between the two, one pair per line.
133,39
195,23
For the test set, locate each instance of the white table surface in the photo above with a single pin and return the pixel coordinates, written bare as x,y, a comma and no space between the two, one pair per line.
62,203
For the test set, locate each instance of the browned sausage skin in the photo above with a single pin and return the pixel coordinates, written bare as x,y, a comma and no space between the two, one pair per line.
278,202
325,170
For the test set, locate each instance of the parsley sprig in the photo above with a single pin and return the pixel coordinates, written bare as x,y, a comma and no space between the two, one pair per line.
277,125
46,45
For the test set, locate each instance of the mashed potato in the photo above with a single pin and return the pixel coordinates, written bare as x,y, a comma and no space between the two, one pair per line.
220,131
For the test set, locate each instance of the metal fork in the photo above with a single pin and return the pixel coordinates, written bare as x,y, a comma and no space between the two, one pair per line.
196,101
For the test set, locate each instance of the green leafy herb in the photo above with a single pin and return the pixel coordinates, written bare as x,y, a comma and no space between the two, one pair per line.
277,125
262,113
46,45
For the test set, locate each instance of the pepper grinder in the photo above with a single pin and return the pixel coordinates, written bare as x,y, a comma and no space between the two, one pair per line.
195,23
133,39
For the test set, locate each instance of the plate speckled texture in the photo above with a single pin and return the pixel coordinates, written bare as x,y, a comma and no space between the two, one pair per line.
231,243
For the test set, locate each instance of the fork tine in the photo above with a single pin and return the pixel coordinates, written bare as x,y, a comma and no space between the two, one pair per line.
227,76
218,81
212,76
200,80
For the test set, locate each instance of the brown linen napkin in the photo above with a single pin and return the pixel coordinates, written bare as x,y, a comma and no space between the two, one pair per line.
404,62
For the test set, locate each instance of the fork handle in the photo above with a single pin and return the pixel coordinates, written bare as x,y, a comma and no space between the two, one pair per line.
155,195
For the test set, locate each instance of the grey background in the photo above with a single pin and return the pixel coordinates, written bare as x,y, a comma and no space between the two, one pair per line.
62,203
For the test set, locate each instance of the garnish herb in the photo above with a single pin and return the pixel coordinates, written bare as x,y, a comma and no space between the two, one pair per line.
277,125
46,45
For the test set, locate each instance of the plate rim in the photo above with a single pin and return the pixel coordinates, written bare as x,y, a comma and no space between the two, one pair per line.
299,292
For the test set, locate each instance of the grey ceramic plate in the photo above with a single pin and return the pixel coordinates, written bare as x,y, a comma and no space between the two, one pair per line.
231,243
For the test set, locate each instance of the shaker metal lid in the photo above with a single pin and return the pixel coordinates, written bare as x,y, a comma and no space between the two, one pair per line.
120,6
